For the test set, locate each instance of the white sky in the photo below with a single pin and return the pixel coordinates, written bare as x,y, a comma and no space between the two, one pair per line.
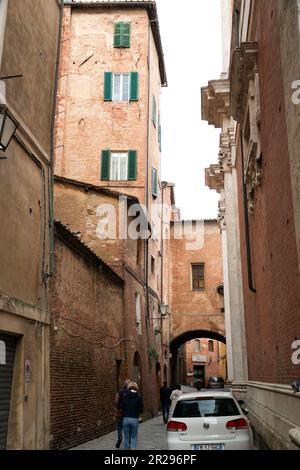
191,37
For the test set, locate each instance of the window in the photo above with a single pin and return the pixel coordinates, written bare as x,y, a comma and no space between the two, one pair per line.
205,407
154,111
197,345
159,132
152,264
118,166
198,276
122,35
211,346
154,183
2,353
138,318
121,86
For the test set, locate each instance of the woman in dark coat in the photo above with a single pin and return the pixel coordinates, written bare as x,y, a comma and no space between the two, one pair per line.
132,406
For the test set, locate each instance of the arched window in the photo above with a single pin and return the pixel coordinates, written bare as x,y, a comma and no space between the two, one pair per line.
211,346
197,345
2,353
138,318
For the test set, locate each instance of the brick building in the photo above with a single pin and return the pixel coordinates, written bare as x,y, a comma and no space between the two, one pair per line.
108,148
203,358
28,56
260,153
196,283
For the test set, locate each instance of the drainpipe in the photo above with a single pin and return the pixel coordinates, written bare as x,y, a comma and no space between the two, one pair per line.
54,107
246,218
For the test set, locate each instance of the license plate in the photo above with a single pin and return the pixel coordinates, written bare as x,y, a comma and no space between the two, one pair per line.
208,446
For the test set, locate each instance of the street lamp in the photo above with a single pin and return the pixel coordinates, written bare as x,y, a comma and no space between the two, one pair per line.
8,127
164,310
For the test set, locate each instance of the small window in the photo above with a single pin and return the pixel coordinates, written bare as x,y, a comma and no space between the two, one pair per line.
154,183
197,345
121,87
119,166
152,264
2,353
198,276
211,346
138,317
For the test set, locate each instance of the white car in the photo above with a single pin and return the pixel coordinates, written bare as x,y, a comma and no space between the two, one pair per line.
209,420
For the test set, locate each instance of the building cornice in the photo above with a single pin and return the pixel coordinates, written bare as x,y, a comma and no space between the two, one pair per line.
243,69
215,102
214,177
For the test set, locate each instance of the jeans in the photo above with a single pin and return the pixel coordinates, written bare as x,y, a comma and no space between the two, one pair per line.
130,427
120,429
165,409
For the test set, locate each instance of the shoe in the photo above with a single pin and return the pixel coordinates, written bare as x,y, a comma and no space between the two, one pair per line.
118,443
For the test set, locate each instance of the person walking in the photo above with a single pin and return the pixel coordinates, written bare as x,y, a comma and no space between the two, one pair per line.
132,406
119,411
165,393
174,397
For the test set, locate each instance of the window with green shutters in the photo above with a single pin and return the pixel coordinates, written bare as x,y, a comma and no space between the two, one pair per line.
122,35
154,111
121,86
118,166
154,182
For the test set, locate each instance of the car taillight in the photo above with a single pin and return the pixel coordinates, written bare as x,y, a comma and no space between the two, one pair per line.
240,423
174,426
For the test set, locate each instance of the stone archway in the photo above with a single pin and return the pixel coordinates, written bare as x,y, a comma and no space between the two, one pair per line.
181,339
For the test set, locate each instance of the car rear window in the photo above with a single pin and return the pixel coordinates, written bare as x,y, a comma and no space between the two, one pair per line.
205,407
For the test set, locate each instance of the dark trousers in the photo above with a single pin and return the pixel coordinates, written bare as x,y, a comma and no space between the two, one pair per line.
165,410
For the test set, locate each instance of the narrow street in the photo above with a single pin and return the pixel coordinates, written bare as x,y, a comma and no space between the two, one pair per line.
152,436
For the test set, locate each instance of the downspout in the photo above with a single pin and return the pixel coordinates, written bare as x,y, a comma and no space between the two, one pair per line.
246,219
52,150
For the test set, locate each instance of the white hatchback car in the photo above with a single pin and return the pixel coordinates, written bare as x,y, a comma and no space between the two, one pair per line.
209,420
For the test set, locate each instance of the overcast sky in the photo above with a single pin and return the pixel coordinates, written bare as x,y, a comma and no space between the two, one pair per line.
191,37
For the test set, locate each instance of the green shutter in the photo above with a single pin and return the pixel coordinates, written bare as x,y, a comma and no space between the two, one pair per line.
154,111
132,165
126,35
154,182
122,34
134,86
108,86
105,165
118,35
159,132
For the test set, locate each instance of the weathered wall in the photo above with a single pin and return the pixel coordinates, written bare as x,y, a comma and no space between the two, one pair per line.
196,310
86,341
29,48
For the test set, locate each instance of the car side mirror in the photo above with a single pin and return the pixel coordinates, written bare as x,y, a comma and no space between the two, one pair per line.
241,402
245,411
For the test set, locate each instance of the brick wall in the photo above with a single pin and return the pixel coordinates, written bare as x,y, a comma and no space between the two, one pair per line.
272,314
86,342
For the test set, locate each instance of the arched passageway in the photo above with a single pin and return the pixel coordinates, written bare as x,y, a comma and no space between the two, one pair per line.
177,359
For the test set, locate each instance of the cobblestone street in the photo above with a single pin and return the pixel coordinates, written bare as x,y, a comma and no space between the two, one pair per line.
151,436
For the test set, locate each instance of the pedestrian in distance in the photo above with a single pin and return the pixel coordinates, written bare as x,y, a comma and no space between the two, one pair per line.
132,406
174,397
199,385
165,394
119,412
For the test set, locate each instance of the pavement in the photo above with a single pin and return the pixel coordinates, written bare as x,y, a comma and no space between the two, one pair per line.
151,436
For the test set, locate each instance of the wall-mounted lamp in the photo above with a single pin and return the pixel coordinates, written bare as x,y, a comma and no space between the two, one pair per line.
164,310
8,127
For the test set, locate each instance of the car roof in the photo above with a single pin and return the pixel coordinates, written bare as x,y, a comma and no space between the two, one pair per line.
207,393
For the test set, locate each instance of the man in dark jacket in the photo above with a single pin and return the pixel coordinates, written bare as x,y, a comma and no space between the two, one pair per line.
165,393
119,411
132,406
